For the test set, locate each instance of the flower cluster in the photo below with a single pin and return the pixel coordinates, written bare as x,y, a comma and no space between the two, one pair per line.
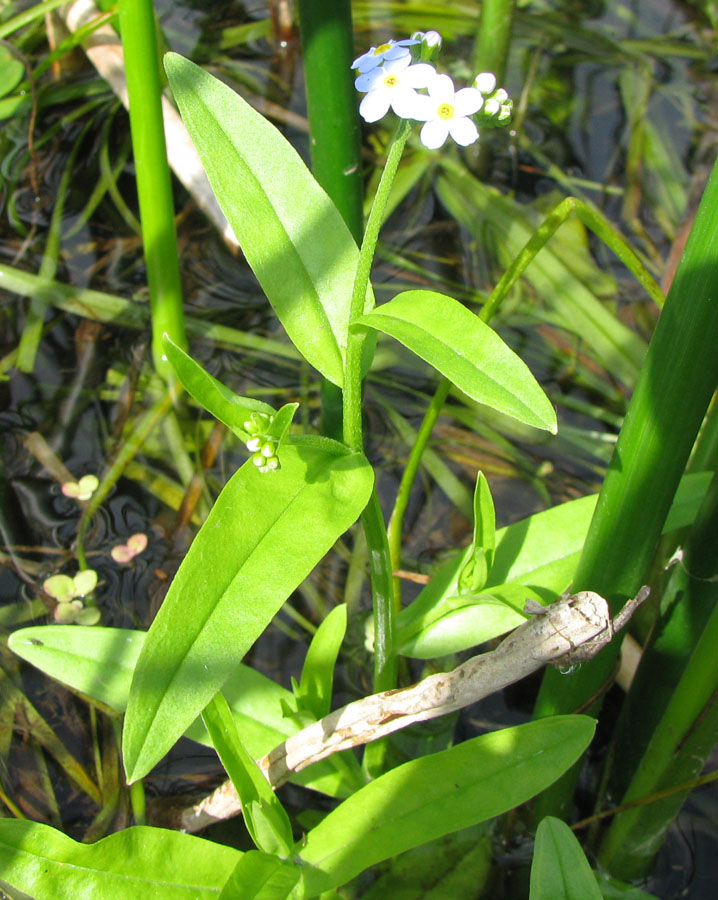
392,74
260,443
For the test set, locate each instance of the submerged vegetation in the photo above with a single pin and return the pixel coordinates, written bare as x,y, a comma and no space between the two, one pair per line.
397,390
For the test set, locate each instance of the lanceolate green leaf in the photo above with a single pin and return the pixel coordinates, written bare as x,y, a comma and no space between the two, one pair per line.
265,817
540,552
141,863
291,233
226,406
560,870
438,794
467,351
277,525
99,662
481,208
259,876
315,686
481,552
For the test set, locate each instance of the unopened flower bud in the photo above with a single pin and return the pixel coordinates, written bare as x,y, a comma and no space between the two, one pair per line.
258,460
268,449
492,107
485,82
428,50
253,444
506,111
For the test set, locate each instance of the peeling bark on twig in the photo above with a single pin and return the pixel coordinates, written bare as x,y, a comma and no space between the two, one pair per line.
565,633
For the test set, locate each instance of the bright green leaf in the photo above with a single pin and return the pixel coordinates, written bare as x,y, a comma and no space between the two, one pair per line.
226,406
264,535
441,793
315,687
291,233
258,876
141,863
482,617
540,552
265,817
99,662
11,70
476,570
466,351
560,870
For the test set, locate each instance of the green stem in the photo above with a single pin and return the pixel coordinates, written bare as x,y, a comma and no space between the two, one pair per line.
138,802
385,663
154,187
396,522
600,226
493,39
356,337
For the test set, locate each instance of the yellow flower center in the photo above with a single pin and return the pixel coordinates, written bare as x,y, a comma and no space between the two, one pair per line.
382,48
445,111
391,81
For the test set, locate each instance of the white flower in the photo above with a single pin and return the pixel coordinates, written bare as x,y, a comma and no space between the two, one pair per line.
384,52
394,84
446,112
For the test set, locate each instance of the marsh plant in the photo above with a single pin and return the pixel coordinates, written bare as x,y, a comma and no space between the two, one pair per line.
296,495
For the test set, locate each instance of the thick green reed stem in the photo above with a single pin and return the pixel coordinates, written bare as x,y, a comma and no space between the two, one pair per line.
335,135
334,131
685,676
385,663
154,186
494,37
674,389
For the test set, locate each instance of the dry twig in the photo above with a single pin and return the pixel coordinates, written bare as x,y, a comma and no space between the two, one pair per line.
569,631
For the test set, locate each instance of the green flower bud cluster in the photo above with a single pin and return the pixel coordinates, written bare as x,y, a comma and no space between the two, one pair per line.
497,106
261,445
